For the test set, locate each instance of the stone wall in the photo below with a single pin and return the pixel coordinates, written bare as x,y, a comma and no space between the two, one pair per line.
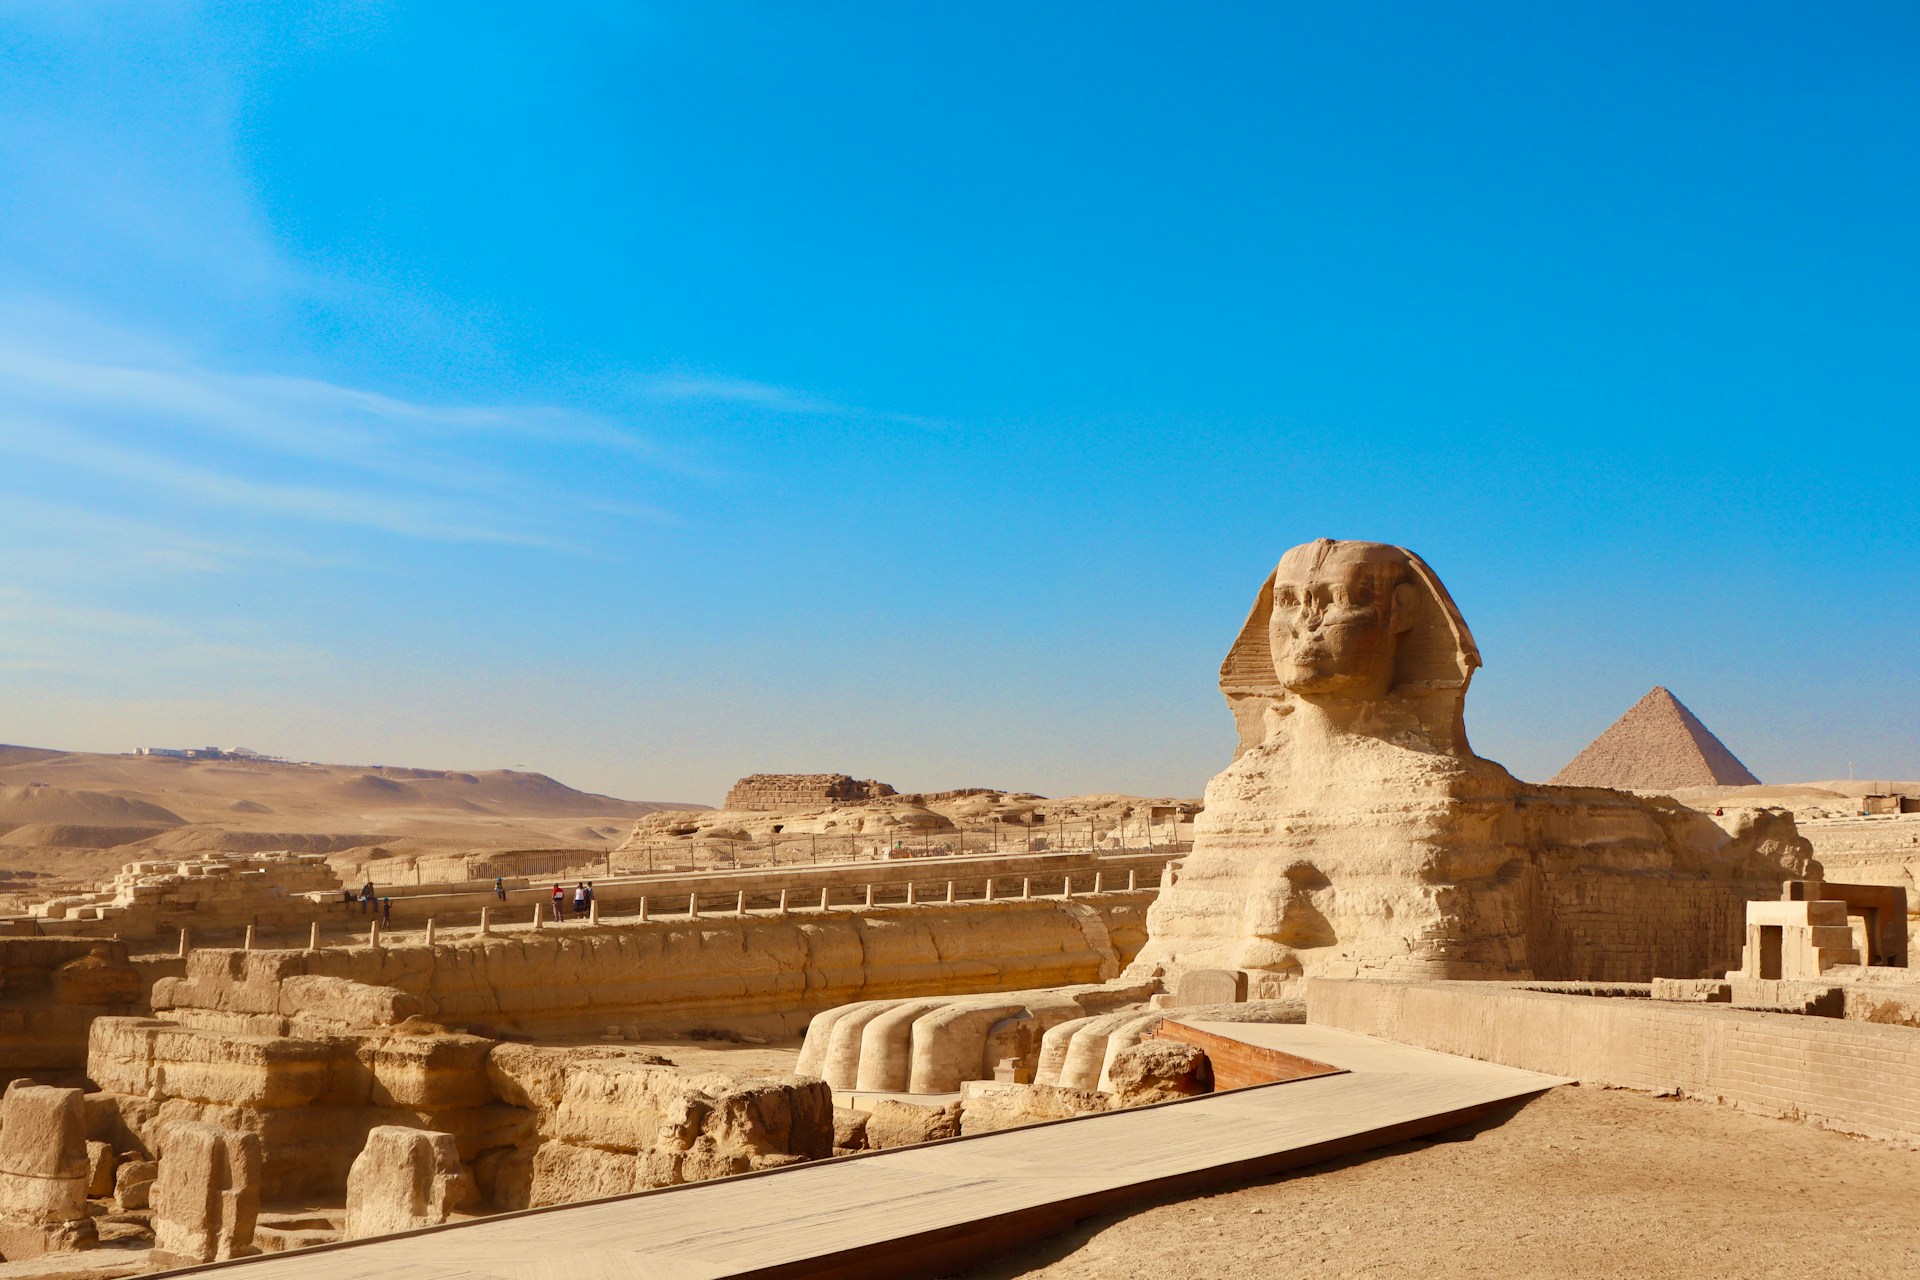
770,973
801,790
1600,924
51,989
1870,851
1855,1077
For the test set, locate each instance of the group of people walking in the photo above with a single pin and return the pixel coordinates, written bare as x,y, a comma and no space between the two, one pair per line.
582,899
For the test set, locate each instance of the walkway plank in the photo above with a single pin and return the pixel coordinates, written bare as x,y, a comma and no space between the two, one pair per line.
918,1210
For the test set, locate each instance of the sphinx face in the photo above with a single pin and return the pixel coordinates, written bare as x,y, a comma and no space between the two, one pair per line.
1339,609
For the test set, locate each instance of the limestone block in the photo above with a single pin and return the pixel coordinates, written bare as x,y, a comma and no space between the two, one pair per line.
316,1002
1011,1106
43,1172
893,1123
101,1164
142,1056
207,1196
849,1129
1692,990
563,1173
1209,986
1159,1071
429,1072
98,978
777,1116
403,1179
133,1183
628,1107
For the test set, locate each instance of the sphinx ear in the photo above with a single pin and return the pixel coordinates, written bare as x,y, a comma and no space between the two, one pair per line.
1406,608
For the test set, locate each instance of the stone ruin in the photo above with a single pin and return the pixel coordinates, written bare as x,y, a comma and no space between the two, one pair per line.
802,790
1355,833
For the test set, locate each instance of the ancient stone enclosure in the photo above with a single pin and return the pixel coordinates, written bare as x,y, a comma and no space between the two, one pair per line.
216,1056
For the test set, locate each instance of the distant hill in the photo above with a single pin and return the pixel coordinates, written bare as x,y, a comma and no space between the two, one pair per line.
85,800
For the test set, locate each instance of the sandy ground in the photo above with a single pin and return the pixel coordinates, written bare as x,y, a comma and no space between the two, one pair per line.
1581,1183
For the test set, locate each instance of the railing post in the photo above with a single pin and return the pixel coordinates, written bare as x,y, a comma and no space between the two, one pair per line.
373,934
538,907
783,902
486,921
869,897
1066,887
989,897
246,943
643,908
824,891
185,946
593,912
1097,876
949,893
740,905
910,898
1026,886
430,931
693,906
1132,883
313,936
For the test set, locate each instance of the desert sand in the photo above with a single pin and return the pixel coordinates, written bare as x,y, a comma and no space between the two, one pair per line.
1582,1183
70,819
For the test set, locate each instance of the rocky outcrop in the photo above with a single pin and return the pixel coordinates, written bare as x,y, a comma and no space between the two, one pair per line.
1158,1071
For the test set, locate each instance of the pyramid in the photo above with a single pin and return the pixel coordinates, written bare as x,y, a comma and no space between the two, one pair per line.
1658,744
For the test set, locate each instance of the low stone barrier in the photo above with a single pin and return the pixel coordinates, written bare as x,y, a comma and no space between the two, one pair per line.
1855,1077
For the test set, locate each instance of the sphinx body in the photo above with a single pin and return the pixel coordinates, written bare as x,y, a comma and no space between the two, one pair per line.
1356,832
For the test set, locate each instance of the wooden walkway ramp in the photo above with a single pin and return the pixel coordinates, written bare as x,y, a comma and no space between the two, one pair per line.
929,1210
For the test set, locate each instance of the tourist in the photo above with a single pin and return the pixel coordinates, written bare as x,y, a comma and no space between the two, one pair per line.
386,911
558,899
579,898
366,897
500,888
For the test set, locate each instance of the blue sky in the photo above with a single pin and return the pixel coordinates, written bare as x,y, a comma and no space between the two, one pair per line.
653,394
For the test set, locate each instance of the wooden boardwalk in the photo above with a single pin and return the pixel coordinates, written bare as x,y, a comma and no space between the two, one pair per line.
924,1211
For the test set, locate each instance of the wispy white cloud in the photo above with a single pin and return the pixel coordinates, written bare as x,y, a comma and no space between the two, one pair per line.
771,398
313,451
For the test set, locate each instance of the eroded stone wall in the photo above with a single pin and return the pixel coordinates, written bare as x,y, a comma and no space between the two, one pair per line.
798,790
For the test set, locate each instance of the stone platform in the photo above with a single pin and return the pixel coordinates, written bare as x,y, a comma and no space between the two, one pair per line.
932,1209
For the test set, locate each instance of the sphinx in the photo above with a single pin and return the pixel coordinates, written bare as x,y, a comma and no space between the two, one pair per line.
1356,833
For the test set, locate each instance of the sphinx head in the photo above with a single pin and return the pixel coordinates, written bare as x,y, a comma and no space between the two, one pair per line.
1345,623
